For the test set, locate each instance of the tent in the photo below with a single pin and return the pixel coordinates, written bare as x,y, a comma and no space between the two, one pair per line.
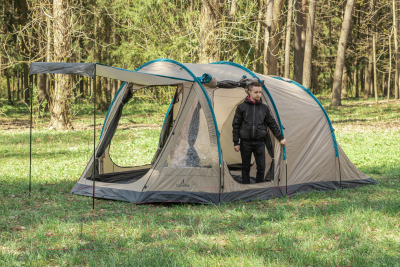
195,161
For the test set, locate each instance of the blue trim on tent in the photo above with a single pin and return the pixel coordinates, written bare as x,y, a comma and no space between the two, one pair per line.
265,89
320,105
112,102
202,88
169,77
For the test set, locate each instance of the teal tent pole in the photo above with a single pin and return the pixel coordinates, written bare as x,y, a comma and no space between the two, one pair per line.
286,179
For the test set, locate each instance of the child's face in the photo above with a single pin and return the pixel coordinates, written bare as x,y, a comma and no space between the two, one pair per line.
255,93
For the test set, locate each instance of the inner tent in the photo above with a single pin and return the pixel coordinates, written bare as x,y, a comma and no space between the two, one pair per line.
225,104
193,147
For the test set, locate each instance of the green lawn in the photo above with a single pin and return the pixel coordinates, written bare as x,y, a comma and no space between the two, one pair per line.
353,227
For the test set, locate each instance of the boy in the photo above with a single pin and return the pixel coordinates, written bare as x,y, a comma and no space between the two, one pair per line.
250,125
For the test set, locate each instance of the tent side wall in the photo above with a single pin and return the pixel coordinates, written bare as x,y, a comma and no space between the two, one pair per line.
176,177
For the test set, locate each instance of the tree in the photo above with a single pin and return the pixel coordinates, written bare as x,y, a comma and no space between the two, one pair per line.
60,98
287,44
308,49
299,39
368,73
211,14
344,82
337,81
272,36
396,26
375,76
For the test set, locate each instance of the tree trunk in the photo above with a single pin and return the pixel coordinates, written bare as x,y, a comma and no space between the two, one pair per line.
390,66
375,76
114,88
18,86
267,31
233,7
9,95
41,77
384,84
368,78
344,82
256,62
62,47
356,83
344,34
299,39
315,79
101,82
308,48
282,58
362,79
26,83
48,58
211,13
288,34
396,26
23,20
41,85
271,48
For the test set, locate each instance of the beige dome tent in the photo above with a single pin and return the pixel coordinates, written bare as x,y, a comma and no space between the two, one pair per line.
195,160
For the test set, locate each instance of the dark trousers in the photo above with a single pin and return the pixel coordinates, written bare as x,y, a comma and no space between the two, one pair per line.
248,147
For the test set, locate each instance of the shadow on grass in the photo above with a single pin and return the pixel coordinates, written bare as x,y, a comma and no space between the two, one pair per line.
317,229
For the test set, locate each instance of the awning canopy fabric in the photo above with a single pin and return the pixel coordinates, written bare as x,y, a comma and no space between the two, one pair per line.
83,69
88,70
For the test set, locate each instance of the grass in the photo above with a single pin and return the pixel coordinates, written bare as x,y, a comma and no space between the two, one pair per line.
353,227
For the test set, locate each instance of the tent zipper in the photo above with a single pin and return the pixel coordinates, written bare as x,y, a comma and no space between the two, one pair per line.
254,119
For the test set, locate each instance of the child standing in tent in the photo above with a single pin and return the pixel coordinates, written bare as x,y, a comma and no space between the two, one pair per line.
250,124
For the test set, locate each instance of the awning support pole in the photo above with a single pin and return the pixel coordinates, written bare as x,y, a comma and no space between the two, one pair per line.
94,135
30,144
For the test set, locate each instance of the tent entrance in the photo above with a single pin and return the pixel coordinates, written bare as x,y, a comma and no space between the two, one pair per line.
233,158
133,143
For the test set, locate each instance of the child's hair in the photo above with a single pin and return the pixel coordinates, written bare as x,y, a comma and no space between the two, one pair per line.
253,84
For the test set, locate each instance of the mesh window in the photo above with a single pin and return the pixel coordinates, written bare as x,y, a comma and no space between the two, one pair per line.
192,148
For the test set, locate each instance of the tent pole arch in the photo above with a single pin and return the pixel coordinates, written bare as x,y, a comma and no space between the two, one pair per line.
112,102
265,89
202,88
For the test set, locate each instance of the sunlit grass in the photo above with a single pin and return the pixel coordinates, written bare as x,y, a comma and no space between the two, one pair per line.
352,227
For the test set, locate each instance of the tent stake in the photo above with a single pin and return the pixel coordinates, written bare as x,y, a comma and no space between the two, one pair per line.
94,135
30,144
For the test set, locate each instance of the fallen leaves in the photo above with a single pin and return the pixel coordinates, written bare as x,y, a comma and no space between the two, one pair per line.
18,228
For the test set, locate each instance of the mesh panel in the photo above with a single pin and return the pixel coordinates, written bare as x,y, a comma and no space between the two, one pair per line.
192,148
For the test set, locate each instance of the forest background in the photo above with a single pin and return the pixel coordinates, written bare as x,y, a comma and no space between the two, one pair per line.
338,48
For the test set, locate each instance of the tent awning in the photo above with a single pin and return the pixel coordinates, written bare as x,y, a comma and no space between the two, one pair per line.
88,70
83,69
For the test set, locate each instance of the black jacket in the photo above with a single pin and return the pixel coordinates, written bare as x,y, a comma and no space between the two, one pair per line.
251,121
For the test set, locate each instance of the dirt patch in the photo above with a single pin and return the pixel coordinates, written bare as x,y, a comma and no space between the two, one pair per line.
10,125
366,126
13,125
